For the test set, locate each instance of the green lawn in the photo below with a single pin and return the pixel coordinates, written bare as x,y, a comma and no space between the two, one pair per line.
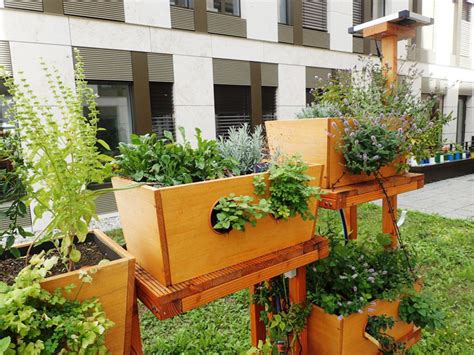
445,249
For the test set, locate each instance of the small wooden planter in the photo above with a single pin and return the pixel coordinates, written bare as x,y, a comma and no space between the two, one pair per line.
333,335
112,285
317,141
169,229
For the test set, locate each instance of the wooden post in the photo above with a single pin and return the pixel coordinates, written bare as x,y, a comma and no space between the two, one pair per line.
387,222
136,343
351,221
389,58
257,327
297,290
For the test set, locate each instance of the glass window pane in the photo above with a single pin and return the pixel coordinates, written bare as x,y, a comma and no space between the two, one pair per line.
284,12
183,3
114,105
3,107
214,5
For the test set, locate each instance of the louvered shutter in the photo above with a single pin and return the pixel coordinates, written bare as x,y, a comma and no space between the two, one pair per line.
106,64
34,5
103,9
226,25
357,12
232,107
268,103
160,67
312,72
162,109
269,74
182,18
231,72
466,23
5,57
315,14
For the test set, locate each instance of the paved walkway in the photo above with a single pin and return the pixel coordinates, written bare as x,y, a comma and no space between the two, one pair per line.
453,198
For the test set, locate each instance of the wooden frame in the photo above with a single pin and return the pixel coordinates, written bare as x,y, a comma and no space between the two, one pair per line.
112,284
317,141
168,228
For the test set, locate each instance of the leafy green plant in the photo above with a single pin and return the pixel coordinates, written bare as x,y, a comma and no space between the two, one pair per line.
260,187
34,321
61,156
235,212
166,162
320,110
377,327
420,309
243,146
290,191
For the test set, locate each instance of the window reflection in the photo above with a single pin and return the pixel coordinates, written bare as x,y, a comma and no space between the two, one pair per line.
229,7
183,3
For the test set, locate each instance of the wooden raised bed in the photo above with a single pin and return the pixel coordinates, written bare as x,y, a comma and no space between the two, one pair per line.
317,142
170,233
330,334
112,285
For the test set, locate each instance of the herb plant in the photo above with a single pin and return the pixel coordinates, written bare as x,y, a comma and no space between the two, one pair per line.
61,156
320,110
34,321
377,327
244,147
419,308
166,162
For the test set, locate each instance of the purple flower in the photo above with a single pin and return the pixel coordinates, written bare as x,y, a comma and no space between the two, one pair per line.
334,125
384,272
382,116
354,276
400,131
365,157
356,123
371,279
360,311
340,317
370,310
374,140
354,288
346,102
342,277
376,157
349,303
346,130
371,270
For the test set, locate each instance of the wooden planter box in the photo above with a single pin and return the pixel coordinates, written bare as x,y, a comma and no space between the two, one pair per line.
317,142
170,233
113,285
331,335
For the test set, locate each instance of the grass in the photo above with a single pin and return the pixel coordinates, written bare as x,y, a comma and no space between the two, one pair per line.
445,250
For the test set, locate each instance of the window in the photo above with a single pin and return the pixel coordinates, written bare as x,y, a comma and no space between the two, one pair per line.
461,120
114,105
232,106
284,12
268,103
161,97
466,11
315,15
189,4
228,7
378,9
357,12
3,107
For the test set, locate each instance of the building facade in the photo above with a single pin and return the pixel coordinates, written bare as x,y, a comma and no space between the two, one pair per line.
161,64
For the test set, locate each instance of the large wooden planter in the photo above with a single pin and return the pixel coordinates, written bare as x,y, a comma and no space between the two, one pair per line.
330,335
169,229
112,285
317,142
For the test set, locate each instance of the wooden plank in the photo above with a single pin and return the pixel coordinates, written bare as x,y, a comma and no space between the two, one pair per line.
387,221
297,292
351,221
136,339
257,327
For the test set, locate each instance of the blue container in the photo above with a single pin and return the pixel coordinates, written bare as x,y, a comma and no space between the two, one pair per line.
468,154
457,156
448,157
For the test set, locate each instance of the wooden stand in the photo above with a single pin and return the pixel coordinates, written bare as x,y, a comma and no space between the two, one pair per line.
350,196
166,302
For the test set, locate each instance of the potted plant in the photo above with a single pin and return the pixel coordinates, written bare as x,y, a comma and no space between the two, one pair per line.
439,157
361,294
458,152
195,206
60,159
359,101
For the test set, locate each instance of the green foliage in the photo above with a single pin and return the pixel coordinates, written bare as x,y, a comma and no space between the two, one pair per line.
355,274
377,327
234,212
420,309
61,155
320,110
289,189
167,162
34,321
260,187
244,147
367,146
12,191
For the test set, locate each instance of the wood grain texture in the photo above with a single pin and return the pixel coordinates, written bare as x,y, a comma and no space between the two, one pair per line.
173,223
112,285
297,293
327,334
257,327
317,141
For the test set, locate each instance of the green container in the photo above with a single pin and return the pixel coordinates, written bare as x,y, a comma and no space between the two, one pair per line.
438,158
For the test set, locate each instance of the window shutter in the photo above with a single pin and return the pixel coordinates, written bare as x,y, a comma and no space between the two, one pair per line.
34,5
22,221
226,25
315,14
5,57
103,9
357,12
106,64
268,103
160,67
182,18
269,74
106,203
162,109
231,72
312,72
232,106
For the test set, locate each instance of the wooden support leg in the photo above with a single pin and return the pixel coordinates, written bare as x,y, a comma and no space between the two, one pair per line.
136,346
351,221
257,327
387,222
297,290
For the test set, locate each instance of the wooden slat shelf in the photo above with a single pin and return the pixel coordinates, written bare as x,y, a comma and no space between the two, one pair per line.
356,194
166,302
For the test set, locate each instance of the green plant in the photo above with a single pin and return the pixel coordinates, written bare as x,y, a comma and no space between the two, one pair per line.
61,156
290,191
34,321
420,309
234,212
244,147
321,110
377,327
167,162
260,187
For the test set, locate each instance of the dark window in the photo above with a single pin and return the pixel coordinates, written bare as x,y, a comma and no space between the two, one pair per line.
461,120
309,96
189,4
466,11
379,9
228,7
285,12
161,97
115,114
268,103
3,107
232,106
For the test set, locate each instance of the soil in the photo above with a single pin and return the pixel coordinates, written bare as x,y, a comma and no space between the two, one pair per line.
90,255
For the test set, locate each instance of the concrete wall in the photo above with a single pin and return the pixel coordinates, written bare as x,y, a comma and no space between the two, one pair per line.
148,12
339,20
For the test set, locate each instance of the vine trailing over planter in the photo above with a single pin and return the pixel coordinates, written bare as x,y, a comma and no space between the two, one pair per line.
377,327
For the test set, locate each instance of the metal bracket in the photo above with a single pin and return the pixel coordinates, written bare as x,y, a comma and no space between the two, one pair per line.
290,274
